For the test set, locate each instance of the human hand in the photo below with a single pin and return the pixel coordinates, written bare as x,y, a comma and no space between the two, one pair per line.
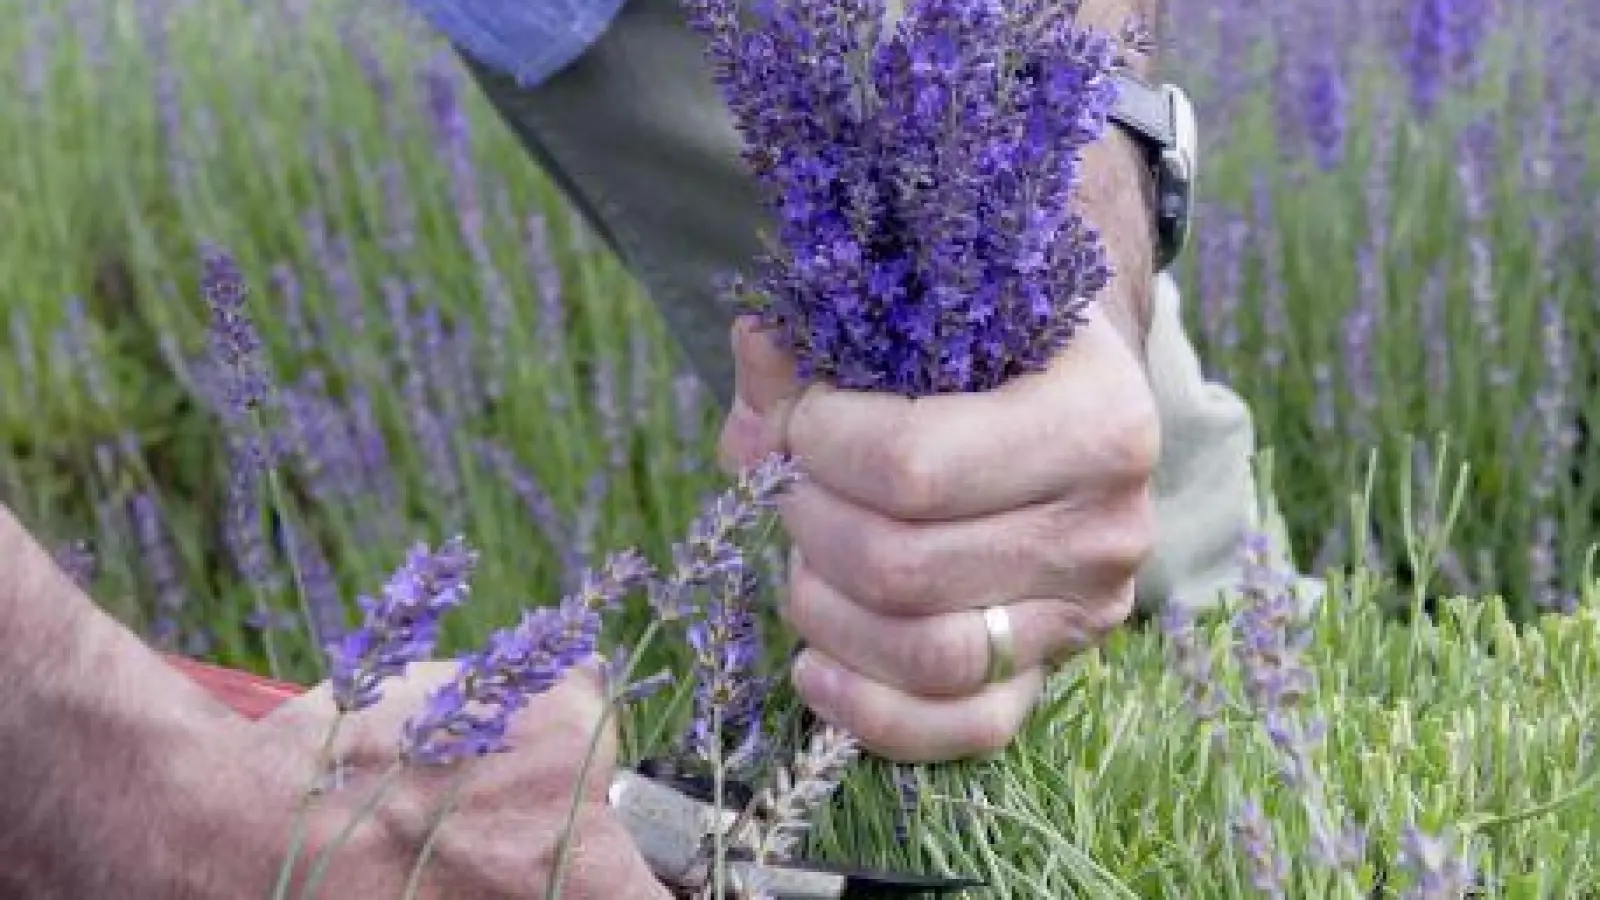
916,514
500,839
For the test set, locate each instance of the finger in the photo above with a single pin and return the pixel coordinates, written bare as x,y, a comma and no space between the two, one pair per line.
606,864
764,374
561,725
944,655
922,568
764,387
745,438
902,728
1086,423
511,849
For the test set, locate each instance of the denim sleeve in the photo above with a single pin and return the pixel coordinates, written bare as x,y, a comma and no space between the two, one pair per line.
527,40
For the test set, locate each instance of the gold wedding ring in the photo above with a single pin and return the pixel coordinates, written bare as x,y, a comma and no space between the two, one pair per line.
1002,645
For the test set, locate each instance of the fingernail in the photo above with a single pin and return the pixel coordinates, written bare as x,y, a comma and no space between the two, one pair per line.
818,683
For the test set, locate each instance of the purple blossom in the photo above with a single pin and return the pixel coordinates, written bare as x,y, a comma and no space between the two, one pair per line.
1268,866
317,430
401,625
470,715
242,528
541,507
157,554
1441,51
689,417
76,560
1190,657
78,342
728,691
319,588
545,274
286,285
25,353
235,345
1269,254
710,552
922,184
1438,873
613,427
1326,109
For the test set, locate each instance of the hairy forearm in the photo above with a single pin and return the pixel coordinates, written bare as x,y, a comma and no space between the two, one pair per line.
1118,193
103,766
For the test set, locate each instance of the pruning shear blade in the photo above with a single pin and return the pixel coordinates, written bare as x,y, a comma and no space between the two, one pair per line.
671,827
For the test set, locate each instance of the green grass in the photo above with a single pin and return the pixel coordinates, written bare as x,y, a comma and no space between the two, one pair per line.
1467,721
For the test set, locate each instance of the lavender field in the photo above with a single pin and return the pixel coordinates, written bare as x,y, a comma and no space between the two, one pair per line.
1398,239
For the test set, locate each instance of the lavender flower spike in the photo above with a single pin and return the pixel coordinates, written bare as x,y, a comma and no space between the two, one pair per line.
234,341
469,716
728,694
1439,875
922,183
710,551
401,625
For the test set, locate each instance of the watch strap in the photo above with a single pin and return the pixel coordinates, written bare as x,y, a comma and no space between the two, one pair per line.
1145,110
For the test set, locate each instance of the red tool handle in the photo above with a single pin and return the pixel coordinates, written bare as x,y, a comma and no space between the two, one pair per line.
250,695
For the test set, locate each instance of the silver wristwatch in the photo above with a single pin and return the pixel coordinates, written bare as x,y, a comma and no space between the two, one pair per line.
1161,119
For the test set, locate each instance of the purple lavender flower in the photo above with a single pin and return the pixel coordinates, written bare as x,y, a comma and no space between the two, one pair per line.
1221,250
401,625
536,500
235,345
1190,657
1438,873
76,559
613,427
1443,38
545,273
1266,237
316,429
1271,634
1325,109
79,345
318,585
25,353
242,528
728,693
1268,866
286,285
688,416
710,552
156,552
926,241
469,716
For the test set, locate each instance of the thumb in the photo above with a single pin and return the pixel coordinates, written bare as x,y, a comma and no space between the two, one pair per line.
764,373
569,714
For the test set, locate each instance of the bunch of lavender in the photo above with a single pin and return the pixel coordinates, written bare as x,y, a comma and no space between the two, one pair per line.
921,181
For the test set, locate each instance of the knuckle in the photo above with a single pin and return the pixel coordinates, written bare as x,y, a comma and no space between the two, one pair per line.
991,728
1125,539
891,573
944,663
1132,443
914,481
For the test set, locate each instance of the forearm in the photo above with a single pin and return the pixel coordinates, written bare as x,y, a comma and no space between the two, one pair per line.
101,760
1118,192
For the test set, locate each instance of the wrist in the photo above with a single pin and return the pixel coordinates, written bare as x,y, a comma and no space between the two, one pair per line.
1117,198
91,737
